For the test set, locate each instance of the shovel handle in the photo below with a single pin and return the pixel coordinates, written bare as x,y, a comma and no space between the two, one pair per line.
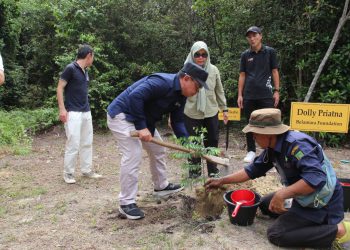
211,158
164,144
134,133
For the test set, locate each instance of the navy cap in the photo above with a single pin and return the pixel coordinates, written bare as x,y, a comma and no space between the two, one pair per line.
197,73
254,29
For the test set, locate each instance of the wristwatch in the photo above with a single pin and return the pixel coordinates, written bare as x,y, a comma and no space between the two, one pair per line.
276,90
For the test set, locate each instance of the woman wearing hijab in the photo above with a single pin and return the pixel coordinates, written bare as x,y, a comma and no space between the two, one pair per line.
201,110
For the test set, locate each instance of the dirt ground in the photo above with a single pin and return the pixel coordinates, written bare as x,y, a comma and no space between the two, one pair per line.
39,211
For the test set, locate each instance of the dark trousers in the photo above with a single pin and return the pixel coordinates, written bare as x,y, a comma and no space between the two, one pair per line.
211,138
248,107
290,230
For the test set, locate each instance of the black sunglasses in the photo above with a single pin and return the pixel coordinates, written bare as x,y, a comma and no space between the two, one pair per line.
197,54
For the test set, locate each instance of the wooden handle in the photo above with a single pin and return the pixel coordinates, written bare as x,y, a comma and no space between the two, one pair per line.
134,133
164,144
211,158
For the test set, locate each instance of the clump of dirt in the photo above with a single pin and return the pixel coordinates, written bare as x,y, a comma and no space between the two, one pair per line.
210,204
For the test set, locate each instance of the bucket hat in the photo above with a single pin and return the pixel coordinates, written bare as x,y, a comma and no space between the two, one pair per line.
197,73
266,121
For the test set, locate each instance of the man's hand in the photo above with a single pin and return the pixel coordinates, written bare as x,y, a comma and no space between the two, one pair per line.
169,123
63,115
276,97
240,102
145,135
213,183
277,203
225,117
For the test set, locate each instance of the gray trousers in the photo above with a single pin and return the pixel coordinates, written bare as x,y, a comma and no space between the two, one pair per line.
131,150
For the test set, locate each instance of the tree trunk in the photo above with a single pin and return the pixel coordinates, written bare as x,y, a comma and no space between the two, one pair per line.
345,16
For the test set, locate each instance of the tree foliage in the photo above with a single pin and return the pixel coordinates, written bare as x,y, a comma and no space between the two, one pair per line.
133,38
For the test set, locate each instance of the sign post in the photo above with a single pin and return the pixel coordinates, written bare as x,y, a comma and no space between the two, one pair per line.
234,114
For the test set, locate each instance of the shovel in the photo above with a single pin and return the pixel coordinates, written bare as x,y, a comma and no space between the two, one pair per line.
211,158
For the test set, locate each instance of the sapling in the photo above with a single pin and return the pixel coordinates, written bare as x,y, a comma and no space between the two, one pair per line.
208,204
194,143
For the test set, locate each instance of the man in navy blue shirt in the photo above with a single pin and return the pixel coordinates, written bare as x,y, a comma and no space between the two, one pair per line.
139,107
258,83
315,217
74,109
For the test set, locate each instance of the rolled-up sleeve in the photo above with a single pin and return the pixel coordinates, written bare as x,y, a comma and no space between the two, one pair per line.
260,166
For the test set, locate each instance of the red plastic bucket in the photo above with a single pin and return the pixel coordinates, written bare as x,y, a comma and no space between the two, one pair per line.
242,197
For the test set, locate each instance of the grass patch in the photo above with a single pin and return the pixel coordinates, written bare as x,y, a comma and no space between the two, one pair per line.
10,238
54,219
17,128
3,211
61,207
39,207
22,187
23,192
155,240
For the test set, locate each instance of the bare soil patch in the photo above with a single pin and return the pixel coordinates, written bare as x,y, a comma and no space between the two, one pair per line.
39,211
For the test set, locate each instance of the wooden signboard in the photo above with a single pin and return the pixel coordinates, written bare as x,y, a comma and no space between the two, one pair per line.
320,117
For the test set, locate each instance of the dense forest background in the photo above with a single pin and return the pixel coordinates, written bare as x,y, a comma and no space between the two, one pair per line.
133,38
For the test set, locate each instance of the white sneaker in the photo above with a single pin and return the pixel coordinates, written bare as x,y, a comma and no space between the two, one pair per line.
69,178
249,157
92,175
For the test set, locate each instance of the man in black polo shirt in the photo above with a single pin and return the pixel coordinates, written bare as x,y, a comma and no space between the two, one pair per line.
75,113
259,83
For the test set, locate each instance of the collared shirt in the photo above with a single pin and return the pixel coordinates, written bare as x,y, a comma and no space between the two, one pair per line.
258,68
76,90
147,100
300,158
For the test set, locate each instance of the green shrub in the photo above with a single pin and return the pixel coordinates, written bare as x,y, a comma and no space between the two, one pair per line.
17,127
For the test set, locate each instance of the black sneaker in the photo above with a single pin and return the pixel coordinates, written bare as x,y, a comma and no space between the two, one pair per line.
170,189
131,211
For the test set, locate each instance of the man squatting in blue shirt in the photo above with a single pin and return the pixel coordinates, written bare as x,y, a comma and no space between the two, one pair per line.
300,162
139,107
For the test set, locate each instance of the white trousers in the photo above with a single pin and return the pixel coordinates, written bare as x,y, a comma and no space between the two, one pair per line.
79,134
131,149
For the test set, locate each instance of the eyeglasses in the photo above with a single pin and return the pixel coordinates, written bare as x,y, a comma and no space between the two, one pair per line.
197,55
198,85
